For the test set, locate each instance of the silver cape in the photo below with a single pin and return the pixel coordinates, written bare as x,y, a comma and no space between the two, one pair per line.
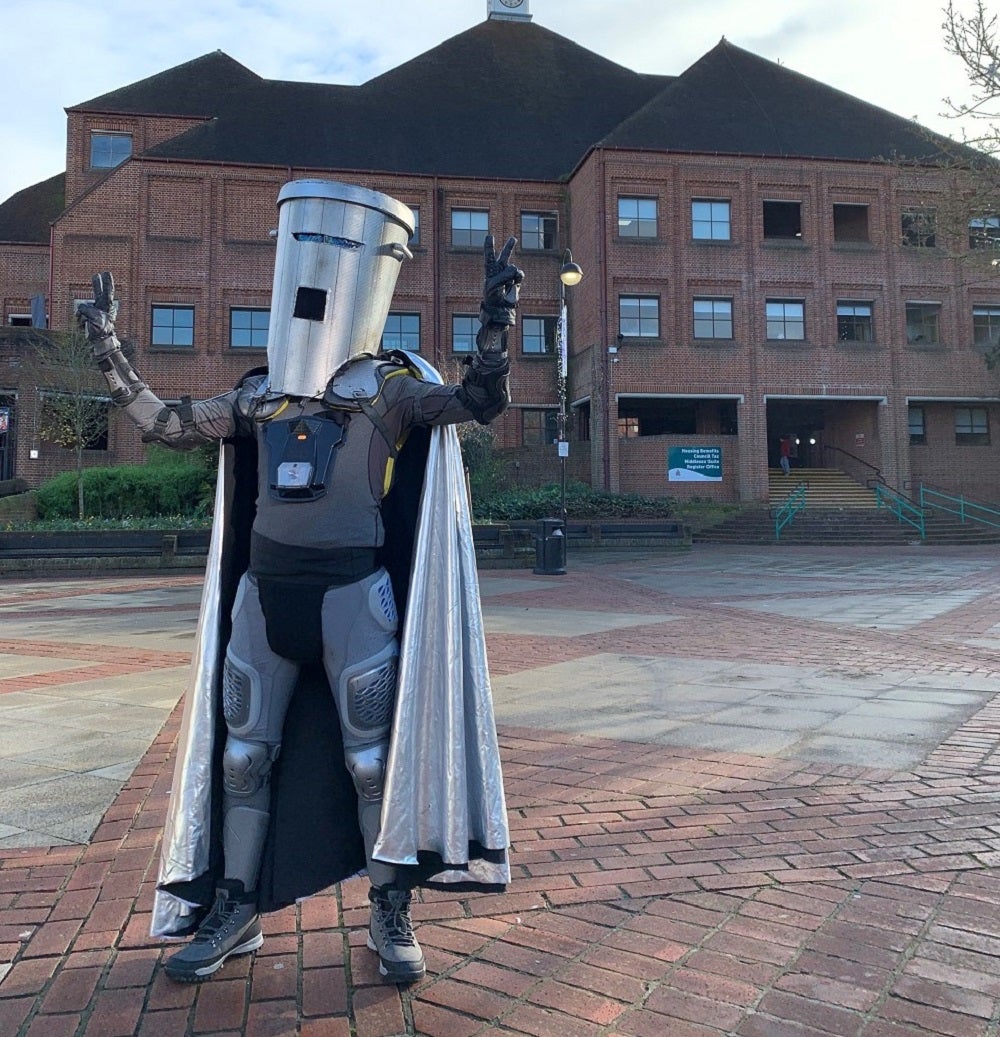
444,786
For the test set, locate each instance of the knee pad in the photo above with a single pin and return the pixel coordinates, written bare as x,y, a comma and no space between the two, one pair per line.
241,695
367,769
246,766
367,694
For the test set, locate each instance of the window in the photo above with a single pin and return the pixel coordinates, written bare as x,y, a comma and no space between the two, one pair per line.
637,217
402,331
918,429
923,322
850,223
108,150
415,236
854,322
918,227
538,230
783,220
19,320
710,220
72,419
469,227
628,427
538,335
713,318
463,333
639,316
173,326
986,325
984,232
972,426
248,328
786,319
539,427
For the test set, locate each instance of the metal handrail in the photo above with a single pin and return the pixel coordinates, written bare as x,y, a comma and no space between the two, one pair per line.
876,478
793,504
967,510
902,507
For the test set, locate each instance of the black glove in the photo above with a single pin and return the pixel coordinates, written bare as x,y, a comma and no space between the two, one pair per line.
97,318
502,284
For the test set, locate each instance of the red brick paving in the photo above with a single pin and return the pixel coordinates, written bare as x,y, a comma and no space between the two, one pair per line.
657,891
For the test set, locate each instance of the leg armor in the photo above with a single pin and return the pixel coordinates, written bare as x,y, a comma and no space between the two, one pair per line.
360,654
257,687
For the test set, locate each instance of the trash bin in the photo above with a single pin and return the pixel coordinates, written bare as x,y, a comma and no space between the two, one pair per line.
550,548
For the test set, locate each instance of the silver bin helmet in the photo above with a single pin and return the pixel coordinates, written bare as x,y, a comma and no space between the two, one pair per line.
340,248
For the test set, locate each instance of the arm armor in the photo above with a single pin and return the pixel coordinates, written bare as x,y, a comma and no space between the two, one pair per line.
123,381
485,389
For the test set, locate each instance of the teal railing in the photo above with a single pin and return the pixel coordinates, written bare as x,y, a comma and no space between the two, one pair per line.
902,507
793,504
967,510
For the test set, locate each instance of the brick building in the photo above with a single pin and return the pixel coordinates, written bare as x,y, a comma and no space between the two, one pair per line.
764,256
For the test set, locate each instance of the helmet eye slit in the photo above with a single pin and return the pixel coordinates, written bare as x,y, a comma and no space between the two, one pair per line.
316,238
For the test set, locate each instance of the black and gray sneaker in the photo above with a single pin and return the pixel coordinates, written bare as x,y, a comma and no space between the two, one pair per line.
400,959
231,927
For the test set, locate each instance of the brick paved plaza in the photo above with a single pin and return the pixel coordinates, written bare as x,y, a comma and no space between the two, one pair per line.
752,792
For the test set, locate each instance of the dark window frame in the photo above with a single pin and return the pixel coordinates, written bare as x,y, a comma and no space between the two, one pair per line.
710,220
252,330
641,320
405,335
923,323
549,337
853,323
719,323
114,158
467,335
541,238
972,426
160,339
786,319
471,236
638,224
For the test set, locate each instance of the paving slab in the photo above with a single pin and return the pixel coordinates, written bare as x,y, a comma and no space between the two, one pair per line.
752,793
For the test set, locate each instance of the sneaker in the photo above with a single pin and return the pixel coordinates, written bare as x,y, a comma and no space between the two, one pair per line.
400,959
231,927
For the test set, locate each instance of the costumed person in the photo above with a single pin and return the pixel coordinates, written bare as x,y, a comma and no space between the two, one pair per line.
340,507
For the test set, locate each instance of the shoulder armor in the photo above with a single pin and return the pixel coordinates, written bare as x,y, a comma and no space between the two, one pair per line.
358,383
255,402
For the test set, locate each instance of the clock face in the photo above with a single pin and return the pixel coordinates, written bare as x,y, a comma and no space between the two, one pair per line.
512,3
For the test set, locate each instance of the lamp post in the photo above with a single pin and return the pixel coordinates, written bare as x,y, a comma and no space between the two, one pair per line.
570,273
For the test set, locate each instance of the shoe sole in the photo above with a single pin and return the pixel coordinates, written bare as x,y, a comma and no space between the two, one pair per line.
399,973
189,975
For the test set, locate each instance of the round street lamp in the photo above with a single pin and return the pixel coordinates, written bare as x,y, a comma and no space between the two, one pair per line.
570,274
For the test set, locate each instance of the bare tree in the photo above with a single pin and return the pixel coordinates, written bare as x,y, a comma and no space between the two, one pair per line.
973,39
71,408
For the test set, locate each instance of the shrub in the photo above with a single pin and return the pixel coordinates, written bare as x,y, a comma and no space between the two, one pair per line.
129,491
582,503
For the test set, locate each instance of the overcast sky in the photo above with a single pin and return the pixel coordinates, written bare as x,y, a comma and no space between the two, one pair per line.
63,52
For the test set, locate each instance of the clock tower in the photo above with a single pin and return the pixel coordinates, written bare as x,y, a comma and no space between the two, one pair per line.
508,10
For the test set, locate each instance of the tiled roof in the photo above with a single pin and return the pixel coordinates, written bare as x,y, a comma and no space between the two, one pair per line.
733,102
26,215
203,88
512,100
500,100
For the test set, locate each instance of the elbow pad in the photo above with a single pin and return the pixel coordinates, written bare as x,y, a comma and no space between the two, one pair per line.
485,389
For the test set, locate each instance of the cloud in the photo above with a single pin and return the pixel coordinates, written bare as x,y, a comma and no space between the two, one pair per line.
889,53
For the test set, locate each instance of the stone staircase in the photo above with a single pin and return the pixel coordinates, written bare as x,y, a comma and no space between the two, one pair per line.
838,511
825,488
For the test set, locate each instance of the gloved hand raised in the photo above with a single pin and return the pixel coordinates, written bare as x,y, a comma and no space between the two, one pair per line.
501,285
97,318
